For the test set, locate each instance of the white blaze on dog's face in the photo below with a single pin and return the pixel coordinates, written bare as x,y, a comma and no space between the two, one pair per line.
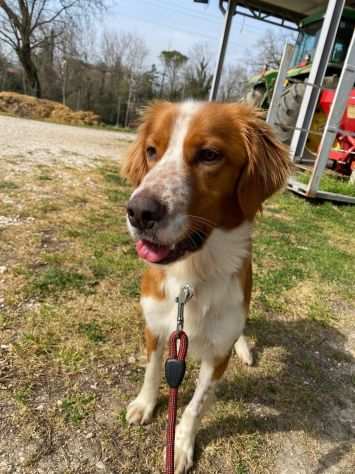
167,181
198,166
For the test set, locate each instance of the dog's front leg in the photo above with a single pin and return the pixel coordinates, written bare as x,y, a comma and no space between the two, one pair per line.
140,410
189,424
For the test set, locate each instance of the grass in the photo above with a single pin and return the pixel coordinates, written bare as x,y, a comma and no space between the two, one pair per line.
71,340
44,177
23,395
304,244
75,408
6,185
92,331
330,183
56,279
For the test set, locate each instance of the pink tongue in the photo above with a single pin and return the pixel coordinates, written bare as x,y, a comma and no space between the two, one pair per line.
151,252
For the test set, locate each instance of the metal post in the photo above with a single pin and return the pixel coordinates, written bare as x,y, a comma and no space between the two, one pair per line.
316,76
228,16
279,84
346,83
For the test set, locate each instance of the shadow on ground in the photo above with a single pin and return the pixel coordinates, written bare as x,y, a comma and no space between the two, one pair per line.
313,391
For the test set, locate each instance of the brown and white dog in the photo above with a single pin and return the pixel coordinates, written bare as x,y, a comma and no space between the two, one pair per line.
201,172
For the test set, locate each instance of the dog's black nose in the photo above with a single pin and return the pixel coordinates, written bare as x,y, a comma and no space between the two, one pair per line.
144,211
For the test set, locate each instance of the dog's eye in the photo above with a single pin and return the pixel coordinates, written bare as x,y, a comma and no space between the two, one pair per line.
151,153
208,156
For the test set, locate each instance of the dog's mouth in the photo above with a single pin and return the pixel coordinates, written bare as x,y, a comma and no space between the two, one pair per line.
154,252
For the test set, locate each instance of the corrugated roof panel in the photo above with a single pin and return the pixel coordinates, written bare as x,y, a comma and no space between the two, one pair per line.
291,10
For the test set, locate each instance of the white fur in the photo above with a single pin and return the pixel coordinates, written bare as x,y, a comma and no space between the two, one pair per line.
243,352
214,320
190,421
174,151
141,409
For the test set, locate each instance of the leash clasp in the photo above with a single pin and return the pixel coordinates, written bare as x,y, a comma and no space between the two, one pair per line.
186,293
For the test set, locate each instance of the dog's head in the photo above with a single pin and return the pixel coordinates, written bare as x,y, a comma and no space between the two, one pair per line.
198,166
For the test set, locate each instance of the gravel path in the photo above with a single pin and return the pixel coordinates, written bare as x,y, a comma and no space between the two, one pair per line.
47,143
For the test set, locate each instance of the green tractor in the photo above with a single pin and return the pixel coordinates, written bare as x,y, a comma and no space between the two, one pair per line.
261,86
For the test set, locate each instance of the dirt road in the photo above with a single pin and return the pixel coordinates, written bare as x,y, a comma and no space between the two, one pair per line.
47,143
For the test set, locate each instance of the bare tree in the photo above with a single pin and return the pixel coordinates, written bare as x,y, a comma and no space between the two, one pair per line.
124,54
111,50
3,68
126,49
3,59
133,59
233,83
268,51
27,25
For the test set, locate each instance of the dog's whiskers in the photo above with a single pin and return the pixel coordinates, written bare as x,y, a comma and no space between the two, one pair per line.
195,228
202,221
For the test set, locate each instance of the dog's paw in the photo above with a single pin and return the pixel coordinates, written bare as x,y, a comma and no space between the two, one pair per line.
243,351
140,411
184,451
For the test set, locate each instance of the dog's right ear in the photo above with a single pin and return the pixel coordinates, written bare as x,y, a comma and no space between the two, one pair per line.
134,166
268,165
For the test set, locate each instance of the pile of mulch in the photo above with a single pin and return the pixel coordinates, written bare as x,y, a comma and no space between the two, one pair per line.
41,109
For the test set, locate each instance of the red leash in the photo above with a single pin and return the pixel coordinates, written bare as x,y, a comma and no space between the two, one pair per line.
174,372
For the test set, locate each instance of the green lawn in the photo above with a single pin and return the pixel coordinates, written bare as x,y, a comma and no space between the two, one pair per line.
330,183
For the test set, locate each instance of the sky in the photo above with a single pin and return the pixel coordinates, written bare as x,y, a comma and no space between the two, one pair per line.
179,24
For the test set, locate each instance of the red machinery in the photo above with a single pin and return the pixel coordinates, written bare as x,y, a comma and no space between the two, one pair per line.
342,155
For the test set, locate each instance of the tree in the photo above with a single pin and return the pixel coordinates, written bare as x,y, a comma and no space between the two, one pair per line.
172,62
124,55
28,25
3,68
268,51
198,76
3,59
233,84
150,83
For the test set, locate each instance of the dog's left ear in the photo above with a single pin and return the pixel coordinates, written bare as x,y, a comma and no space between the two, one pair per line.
268,164
134,166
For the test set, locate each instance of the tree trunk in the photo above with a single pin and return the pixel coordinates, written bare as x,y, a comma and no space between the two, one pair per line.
31,72
118,111
65,77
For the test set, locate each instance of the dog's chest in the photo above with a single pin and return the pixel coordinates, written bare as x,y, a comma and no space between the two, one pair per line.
214,317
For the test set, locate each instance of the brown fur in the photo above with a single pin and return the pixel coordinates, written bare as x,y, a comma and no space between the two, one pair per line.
220,367
151,342
268,164
245,278
157,122
152,282
255,164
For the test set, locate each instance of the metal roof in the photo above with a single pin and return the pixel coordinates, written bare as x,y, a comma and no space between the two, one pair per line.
290,10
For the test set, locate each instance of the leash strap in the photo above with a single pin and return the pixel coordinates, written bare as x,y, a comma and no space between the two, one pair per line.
174,373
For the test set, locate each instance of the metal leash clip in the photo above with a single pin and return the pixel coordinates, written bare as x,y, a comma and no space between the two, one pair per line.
186,293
